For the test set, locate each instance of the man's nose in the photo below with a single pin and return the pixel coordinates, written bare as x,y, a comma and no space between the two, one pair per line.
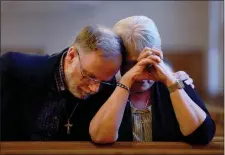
94,87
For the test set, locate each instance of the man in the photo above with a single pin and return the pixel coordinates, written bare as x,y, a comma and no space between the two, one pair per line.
150,104
55,97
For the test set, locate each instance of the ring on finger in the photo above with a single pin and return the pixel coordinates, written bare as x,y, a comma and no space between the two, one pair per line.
150,53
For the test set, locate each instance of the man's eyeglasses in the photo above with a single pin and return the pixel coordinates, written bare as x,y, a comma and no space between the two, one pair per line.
89,79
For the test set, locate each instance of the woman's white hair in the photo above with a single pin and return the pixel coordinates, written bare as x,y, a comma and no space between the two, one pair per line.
138,32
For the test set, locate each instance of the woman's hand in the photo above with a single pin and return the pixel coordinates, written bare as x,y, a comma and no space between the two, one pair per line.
139,71
158,71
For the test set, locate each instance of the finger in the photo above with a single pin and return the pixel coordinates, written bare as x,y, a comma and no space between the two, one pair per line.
157,52
144,55
192,85
146,61
145,49
184,76
155,58
160,66
154,51
150,51
189,81
181,75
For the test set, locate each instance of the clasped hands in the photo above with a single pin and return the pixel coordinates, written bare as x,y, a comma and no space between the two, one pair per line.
159,71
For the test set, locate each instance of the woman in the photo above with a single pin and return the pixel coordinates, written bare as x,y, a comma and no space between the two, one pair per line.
149,103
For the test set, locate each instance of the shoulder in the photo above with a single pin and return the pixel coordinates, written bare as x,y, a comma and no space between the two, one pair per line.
20,61
25,68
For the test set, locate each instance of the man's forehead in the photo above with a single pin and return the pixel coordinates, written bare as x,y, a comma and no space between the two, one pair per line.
99,67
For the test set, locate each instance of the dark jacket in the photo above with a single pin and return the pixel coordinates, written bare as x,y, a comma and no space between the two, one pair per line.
165,126
26,81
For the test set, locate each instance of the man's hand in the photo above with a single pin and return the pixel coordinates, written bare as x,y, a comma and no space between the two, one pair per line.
181,75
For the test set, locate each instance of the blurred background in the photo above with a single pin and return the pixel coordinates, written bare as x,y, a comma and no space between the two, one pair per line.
192,34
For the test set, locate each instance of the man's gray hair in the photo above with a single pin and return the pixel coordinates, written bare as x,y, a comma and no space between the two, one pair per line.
97,38
138,32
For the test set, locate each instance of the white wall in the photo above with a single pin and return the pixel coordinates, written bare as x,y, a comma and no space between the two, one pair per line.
216,51
53,25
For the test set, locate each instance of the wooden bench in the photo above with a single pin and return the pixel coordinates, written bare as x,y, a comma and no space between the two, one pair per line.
152,148
218,139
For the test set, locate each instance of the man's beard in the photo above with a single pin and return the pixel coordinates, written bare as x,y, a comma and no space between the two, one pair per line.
77,92
73,86
80,93
76,87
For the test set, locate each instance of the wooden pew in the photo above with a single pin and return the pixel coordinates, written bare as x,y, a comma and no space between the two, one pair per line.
152,148
218,139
